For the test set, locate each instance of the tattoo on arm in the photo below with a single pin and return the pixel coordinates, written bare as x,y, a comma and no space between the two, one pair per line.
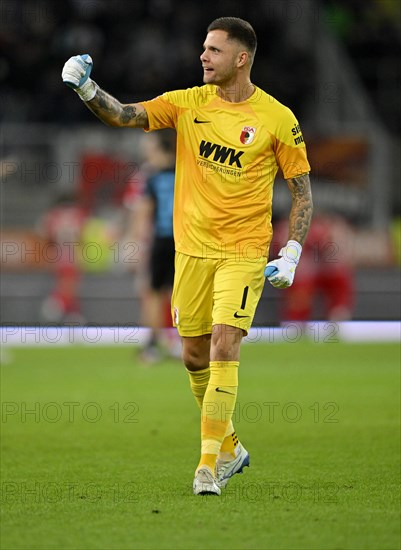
104,106
302,208
112,112
127,114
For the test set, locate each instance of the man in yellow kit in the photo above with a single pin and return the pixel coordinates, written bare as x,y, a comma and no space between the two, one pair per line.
231,139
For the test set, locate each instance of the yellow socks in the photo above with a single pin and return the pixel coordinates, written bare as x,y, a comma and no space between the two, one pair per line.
199,380
217,409
230,442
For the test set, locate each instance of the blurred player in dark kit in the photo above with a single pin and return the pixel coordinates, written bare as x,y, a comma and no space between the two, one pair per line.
153,227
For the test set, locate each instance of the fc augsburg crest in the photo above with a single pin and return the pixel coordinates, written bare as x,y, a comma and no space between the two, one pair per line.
247,135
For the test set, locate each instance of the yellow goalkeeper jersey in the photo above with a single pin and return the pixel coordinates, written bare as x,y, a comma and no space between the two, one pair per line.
228,155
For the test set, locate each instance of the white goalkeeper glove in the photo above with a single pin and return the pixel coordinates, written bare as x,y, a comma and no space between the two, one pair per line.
280,273
76,73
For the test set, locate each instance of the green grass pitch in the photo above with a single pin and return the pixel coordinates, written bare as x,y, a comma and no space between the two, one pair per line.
98,452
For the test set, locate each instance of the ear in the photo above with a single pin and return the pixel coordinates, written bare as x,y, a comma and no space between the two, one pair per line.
242,59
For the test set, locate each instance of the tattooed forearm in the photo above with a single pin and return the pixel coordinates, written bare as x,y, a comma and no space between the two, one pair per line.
112,112
127,114
302,207
104,106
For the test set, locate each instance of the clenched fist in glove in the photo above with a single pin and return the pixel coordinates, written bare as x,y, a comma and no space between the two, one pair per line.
280,273
76,73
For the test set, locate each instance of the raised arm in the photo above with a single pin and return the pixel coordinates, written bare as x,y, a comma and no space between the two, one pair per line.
112,112
107,108
302,208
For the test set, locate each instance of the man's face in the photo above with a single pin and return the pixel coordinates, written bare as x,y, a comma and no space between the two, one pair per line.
219,58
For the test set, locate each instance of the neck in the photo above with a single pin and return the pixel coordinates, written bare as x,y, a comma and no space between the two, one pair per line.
237,91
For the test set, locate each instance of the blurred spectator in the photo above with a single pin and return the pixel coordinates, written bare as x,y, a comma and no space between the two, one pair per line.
370,31
62,226
38,35
324,282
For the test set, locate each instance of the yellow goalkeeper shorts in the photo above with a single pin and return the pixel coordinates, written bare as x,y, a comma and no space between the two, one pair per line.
210,292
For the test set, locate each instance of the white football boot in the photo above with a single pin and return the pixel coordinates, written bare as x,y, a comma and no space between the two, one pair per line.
205,482
227,468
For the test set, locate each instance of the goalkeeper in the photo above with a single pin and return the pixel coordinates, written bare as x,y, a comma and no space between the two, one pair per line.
232,137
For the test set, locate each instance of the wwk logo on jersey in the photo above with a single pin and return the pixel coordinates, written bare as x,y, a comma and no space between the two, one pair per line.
220,153
247,135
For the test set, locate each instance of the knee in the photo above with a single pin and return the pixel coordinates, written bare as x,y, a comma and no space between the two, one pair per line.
226,342
195,358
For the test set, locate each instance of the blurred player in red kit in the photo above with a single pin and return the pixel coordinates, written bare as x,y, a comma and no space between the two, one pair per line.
62,226
326,272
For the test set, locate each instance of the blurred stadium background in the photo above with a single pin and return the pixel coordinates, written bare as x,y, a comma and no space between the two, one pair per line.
334,62
65,473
